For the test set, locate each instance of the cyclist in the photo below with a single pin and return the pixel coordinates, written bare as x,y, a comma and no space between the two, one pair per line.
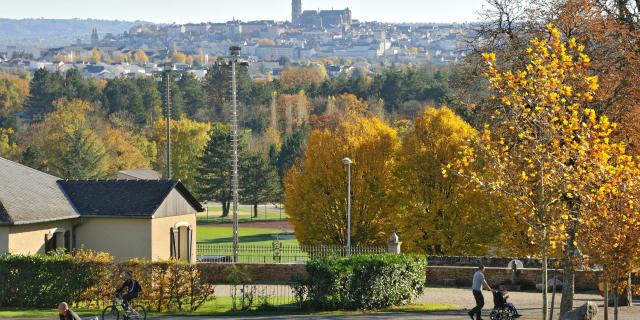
65,313
132,289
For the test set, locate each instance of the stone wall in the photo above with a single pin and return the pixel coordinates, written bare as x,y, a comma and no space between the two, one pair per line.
451,276
496,262
527,278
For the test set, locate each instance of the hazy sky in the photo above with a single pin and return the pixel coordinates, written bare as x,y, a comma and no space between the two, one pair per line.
182,11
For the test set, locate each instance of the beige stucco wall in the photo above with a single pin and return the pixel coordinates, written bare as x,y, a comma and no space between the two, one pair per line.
160,235
4,240
29,239
124,238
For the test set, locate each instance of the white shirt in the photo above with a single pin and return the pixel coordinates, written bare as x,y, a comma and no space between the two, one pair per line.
478,281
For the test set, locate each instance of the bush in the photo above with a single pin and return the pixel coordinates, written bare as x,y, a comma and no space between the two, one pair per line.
364,282
90,279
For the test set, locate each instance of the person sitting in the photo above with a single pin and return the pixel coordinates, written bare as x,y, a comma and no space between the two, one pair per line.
65,313
129,289
501,301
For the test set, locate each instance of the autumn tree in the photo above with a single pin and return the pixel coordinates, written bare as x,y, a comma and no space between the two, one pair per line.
13,95
535,144
8,147
301,77
315,190
442,216
96,56
140,57
188,141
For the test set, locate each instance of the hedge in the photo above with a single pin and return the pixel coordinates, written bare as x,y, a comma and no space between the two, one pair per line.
90,279
364,282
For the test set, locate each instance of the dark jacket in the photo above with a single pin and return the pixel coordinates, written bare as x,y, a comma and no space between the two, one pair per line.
70,316
133,288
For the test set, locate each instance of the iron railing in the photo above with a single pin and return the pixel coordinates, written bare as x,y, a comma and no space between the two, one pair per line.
275,253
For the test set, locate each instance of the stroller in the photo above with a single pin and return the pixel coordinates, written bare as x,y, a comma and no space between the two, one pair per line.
500,310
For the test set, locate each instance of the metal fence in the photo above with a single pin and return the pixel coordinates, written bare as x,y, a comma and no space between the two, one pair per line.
275,253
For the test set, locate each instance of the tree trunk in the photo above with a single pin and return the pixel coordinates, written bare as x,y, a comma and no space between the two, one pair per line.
615,304
606,300
545,282
568,281
255,210
225,208
629,292
553,295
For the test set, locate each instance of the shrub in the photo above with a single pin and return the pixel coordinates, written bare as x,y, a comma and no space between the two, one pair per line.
365,282
90,279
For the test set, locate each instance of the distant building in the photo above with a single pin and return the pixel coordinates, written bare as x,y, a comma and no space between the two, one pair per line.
95,39
296,11
319,18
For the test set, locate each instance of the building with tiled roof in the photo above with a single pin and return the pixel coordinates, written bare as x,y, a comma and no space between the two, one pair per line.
151,219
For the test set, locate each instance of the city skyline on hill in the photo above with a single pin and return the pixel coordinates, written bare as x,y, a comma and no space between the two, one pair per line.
195,11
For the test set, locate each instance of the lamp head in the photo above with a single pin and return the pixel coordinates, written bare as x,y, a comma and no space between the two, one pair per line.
347,161
235,51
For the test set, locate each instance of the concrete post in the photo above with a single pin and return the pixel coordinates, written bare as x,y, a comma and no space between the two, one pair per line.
394,244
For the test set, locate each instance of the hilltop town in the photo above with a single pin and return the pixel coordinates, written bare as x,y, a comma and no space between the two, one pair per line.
333,36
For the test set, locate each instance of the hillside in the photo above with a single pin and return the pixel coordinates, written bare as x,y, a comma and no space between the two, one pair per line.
56,31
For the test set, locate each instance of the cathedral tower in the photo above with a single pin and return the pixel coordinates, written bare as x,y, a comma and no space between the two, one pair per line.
296,11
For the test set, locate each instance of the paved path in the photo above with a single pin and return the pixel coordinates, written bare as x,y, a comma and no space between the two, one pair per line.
528,303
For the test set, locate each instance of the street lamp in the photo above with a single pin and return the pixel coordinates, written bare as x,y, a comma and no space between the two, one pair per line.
348,163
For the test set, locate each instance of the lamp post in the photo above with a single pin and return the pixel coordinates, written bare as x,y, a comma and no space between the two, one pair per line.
348,163
206,206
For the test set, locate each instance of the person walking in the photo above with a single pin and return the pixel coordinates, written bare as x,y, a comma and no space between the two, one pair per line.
478,283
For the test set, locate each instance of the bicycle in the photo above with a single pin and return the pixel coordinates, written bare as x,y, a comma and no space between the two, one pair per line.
133,312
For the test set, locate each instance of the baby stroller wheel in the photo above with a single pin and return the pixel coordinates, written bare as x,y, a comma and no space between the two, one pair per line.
501,314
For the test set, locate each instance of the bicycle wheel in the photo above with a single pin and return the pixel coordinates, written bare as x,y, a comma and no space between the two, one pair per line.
138,312
110,313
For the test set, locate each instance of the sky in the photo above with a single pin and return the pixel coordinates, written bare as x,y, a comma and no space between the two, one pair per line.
184,11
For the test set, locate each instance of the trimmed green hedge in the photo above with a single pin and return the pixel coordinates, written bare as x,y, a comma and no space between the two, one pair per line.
364,282
90,279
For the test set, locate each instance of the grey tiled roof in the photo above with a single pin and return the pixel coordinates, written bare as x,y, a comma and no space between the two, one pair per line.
122,198
28,196
139,174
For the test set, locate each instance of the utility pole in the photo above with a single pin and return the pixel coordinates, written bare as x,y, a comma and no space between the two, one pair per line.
166,79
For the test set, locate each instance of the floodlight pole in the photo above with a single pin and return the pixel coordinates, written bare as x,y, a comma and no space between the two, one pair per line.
166,75
235,54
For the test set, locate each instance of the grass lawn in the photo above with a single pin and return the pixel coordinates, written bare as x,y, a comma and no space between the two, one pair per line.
221,306
271,213
224,235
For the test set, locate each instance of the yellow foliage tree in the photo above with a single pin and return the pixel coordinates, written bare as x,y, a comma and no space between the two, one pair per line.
96,56
316,188
539,145
188,141
140,57
442,216
123,150
291,77
8,148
